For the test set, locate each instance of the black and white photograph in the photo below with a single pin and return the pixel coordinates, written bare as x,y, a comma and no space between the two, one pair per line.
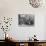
26,19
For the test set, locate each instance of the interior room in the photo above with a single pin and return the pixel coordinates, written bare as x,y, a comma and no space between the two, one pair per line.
23,23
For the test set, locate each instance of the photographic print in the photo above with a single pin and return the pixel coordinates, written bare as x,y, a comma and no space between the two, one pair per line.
26,19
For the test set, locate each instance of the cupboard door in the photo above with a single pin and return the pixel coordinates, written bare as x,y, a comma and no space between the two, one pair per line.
44,44
31,44
35,44
25,44
40,44
17,44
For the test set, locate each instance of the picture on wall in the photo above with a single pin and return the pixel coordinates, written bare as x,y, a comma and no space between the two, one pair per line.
36,3
25,19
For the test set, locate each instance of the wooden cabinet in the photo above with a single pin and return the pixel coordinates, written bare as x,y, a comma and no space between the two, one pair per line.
27,43
23,44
